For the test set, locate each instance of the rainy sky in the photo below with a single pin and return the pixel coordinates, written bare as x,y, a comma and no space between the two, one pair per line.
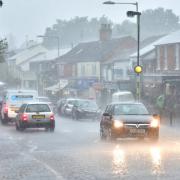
31,17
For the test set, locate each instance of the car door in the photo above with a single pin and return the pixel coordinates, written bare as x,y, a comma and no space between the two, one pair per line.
69,107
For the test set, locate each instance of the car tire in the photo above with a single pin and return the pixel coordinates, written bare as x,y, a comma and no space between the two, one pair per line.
21,128
4,121
17,127
102,135
74,115
51,129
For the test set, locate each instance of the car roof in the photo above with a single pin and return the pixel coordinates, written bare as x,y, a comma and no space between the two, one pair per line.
126,103
36,103
122,93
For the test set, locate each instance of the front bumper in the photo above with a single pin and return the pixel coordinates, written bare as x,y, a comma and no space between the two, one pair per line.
38,124
134,132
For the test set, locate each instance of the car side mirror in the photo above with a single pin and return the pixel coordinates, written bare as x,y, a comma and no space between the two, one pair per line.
106,114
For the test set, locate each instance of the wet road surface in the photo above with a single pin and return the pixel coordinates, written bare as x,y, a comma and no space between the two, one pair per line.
74,151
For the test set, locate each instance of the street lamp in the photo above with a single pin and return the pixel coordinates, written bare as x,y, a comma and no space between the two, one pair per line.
138,68
123,3
56,37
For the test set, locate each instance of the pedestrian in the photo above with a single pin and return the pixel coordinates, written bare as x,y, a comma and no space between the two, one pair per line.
170,103
160,103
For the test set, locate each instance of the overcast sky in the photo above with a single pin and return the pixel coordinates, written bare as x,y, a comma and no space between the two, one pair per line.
31,17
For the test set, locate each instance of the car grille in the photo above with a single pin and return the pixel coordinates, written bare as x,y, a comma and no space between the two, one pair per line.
136,125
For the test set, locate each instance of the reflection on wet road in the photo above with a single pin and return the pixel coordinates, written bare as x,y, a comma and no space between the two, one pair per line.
74,151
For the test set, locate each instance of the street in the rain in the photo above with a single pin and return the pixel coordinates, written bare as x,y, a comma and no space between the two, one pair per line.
74,151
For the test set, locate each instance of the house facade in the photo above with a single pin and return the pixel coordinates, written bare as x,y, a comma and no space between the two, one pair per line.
161,65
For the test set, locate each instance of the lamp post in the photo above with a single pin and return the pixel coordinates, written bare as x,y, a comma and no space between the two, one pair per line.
55,37
138,68
1,3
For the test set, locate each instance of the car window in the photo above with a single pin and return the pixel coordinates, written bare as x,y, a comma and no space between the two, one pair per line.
38,108
130,109
22,108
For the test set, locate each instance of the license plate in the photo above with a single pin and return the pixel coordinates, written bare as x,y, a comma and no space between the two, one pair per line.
14,109
137,131
38,116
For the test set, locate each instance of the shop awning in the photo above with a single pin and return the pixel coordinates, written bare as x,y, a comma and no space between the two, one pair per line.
59,86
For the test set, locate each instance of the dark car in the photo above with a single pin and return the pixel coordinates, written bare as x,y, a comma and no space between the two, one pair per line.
35,115
121,120
85,108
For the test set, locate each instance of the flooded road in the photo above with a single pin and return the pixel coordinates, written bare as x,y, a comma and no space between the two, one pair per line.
74,151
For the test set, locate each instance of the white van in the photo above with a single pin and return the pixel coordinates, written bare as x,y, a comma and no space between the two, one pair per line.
12,101
122,96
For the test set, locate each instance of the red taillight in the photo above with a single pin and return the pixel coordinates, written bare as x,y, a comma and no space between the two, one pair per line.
6,108
24,117
52,117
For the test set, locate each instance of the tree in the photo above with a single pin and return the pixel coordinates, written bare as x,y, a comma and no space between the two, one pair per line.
3,49
158,21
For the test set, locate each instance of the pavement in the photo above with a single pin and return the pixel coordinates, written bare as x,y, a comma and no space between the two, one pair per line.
75,152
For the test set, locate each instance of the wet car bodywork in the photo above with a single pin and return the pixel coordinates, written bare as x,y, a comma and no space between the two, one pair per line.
87,109
35,115
134,121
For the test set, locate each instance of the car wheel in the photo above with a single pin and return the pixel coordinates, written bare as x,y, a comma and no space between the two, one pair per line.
74,115
4,121
17,127
51,129
102,135
21,127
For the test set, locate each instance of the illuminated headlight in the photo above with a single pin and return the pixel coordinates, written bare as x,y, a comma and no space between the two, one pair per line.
154,123
118,124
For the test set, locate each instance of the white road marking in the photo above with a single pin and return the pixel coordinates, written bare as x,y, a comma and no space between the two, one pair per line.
53,171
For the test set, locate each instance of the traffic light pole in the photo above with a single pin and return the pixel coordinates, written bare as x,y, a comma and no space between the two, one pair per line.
138,58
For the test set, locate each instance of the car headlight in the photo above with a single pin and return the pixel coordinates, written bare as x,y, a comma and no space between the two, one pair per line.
118,124
155,123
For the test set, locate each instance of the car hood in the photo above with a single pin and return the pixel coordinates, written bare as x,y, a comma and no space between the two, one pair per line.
89,109
134,118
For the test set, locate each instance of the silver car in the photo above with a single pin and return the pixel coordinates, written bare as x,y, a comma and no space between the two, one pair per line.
36,115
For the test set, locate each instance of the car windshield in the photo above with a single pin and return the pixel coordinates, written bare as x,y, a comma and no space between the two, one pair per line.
88,104
130,109
43,99
37,108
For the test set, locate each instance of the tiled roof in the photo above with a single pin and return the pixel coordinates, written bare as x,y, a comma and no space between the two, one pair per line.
94,51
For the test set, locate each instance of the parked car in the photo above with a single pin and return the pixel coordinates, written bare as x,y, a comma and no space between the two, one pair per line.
121,120
84,108
123,96
60,106
35,115
68,106
46,100
12,101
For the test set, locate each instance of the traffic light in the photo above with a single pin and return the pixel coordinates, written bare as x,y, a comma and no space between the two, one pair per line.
138,69
133,13
1,3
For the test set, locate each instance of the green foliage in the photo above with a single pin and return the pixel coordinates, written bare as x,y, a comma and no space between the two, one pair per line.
3,49
158,21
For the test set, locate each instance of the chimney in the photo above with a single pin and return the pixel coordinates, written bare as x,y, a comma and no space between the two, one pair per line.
105,32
